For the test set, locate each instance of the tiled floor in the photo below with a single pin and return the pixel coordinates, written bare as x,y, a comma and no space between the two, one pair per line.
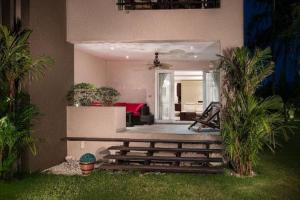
169,128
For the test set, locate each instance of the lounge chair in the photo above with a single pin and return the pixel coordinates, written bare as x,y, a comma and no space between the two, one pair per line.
209,118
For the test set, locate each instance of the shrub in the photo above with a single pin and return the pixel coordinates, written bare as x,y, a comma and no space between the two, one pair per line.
108,96
83,94
248,122
17,67
12,141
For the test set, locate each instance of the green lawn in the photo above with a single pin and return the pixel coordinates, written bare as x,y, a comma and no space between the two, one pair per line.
278,178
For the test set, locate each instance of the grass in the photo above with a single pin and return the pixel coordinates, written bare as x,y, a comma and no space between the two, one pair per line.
278,177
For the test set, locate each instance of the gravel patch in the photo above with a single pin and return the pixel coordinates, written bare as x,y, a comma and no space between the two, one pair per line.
69,168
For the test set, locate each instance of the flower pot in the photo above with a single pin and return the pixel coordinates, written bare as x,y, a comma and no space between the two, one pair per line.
87,168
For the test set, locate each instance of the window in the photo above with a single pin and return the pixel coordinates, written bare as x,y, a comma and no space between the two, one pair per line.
167,4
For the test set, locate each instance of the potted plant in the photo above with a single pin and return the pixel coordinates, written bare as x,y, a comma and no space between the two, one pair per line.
87,163
83,94
108,96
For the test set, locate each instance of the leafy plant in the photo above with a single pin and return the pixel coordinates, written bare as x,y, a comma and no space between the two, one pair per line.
83,94
108,95
11,141
248,122
17,64
17,67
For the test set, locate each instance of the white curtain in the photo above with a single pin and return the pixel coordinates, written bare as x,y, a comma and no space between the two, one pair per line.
211,87
164,96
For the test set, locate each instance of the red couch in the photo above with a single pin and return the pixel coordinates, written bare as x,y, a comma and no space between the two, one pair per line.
134,108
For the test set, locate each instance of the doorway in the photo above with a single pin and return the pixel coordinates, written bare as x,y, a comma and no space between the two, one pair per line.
182,95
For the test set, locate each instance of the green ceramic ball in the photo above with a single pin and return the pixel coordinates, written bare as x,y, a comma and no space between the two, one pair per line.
87,158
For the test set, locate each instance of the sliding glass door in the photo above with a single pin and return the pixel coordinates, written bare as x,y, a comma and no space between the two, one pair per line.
211,87
191,101
164,96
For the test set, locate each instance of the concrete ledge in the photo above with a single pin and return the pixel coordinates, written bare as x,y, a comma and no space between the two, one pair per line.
88,121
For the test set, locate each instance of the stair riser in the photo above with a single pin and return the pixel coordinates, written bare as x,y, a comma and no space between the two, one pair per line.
162,169
167,150
165,159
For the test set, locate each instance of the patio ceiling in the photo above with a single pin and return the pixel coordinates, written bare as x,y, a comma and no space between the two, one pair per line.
168,50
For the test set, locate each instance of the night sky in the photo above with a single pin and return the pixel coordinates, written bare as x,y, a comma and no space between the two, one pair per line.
290,64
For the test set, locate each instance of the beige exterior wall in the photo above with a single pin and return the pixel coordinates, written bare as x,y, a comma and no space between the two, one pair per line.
101,122
100,20
48,22
89,69
95,121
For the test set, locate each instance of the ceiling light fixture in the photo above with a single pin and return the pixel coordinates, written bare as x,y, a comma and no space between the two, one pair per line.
127,57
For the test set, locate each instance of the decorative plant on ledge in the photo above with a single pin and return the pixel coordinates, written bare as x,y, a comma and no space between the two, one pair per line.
108,96
249,123
83,94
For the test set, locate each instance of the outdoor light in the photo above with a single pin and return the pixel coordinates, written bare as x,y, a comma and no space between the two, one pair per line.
77,105
127,57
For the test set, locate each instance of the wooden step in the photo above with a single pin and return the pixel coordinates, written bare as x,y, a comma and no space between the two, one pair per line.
154,168
162,158
144,140
160,149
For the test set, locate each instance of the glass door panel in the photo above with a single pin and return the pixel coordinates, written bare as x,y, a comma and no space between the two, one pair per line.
211,87
165,81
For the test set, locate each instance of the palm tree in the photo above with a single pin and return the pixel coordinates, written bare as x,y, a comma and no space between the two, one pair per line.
17,66
248,122
16,62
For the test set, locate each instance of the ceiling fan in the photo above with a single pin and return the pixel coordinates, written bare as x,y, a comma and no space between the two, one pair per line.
157,64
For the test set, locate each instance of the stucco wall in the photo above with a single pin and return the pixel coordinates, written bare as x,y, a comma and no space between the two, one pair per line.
88,69
48,22
100,20
95,121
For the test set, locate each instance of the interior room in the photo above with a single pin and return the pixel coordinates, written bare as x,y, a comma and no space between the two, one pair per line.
188,95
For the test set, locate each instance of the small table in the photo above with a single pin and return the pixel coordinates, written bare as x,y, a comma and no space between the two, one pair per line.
187,116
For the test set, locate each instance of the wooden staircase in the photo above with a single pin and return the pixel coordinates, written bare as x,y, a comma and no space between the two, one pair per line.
162,155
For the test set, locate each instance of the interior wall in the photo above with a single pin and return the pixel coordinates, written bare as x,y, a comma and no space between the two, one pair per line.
89,69
48,22
136,82
191,91
133,80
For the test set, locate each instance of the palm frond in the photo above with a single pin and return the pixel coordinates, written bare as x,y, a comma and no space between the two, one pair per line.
249,123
